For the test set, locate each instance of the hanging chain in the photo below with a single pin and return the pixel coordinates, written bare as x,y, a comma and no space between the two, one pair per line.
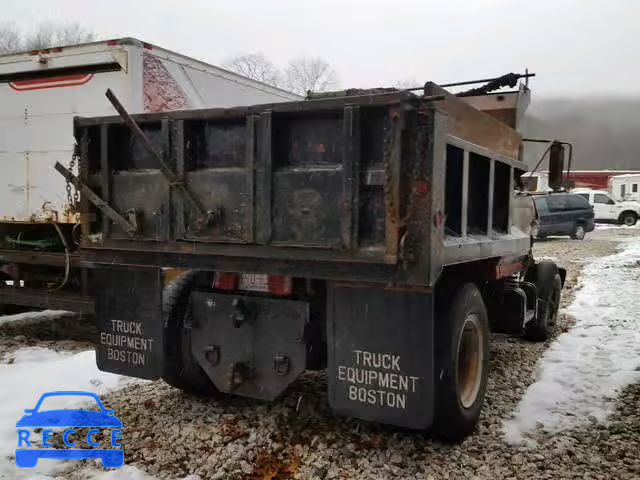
73,200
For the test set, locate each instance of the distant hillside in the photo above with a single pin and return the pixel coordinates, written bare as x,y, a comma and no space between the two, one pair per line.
604,132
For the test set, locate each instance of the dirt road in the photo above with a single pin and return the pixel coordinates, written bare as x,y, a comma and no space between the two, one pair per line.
168,434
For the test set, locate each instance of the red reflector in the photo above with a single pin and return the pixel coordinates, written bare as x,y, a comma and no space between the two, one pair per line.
422,187
56,50
280,285
148,46
111,43
437,219
224,281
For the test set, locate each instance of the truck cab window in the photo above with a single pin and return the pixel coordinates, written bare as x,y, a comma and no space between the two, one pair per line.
602,198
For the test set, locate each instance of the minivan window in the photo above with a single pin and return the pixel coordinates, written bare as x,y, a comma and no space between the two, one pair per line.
583,195
577,202
558,203
541,204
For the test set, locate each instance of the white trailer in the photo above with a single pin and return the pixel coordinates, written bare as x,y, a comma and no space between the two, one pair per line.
42,90
40,93
625,187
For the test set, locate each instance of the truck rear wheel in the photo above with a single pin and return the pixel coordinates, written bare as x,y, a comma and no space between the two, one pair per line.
181,369
548,282
628,218
462,359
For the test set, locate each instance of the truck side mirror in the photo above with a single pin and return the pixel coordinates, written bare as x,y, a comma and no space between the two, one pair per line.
556,165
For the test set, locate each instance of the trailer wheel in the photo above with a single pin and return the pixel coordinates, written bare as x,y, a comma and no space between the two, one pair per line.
462,360
181,369
546,277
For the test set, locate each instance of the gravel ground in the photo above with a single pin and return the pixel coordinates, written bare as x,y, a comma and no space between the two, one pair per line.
171,435
44,330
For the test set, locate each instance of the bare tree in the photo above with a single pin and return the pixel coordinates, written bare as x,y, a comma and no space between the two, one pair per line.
50,34
45,35
310,74
255,66
9,38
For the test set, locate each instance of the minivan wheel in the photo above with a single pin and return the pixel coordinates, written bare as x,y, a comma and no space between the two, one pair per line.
578,232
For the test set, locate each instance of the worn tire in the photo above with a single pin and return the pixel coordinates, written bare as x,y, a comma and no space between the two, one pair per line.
628,218
181,369
578,232
461,327
546,277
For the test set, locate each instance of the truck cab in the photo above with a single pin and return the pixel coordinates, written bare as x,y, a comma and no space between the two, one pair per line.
606,209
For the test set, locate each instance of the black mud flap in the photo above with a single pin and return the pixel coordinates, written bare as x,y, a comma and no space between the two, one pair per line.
128,306
248,345
381,355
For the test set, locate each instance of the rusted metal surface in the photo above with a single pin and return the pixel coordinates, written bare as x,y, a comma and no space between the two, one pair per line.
53,259
96,200
477,127
321,185
392,168
151,150
41,298
492,84
223,114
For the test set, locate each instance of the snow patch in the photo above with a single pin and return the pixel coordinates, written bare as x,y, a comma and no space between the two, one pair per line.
609,226
128,473
35,355
547,258
52,314
582,373
33,372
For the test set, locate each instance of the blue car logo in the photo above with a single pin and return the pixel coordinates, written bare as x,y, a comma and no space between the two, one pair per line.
69,418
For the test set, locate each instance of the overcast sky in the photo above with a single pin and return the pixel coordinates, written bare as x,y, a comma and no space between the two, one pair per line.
576,47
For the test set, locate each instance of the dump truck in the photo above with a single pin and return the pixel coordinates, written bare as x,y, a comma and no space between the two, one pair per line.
380,235
40,93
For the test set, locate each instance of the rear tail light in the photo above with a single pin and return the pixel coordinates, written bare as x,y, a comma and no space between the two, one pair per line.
225,281
279,285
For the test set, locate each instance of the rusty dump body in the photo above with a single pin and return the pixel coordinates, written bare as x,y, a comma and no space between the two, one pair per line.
376,235
385,188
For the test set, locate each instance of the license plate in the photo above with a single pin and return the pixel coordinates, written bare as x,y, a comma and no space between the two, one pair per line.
254,282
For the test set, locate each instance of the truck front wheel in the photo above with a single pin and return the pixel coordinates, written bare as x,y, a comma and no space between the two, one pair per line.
546,277
462,362
181,369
